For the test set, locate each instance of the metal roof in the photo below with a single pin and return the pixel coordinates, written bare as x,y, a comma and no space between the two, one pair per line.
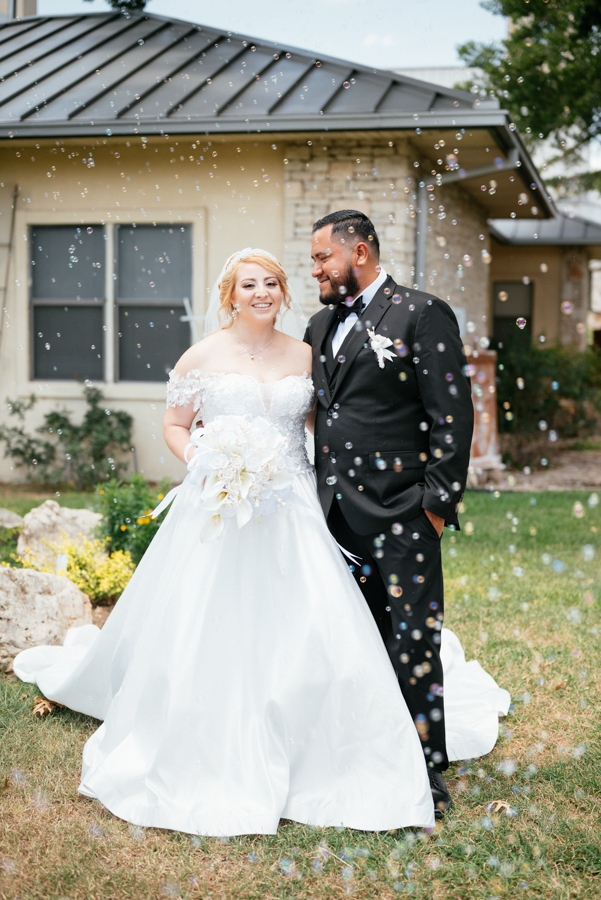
118,74
562,230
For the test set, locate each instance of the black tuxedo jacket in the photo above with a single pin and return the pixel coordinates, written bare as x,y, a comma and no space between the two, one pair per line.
392,441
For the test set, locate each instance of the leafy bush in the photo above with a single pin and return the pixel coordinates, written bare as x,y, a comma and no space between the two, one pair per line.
546,393
81,455
126,509
103,577
8,544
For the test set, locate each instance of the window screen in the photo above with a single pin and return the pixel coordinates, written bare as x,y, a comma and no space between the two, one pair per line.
68,342
67,295
154,270
151,340
512,300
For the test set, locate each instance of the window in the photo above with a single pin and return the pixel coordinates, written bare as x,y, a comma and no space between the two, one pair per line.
67,294
512,300
154,266
152,274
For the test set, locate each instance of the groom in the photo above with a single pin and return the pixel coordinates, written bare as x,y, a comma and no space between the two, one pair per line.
392,445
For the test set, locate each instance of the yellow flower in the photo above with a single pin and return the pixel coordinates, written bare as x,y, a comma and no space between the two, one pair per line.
99,575
124,528
101,492
160,496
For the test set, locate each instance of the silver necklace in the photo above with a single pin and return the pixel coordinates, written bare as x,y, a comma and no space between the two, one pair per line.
255,352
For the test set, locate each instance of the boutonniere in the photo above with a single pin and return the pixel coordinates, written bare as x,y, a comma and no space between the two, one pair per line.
378,344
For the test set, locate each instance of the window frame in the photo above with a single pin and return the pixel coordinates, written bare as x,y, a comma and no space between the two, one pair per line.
22,298
117,302
44,301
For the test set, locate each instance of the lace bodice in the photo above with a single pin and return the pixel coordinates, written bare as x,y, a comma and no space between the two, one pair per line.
285,402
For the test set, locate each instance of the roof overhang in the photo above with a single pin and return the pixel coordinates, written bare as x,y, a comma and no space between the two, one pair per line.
562,231
490,160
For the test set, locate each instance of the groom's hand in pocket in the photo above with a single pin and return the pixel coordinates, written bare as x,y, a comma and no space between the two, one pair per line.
437,521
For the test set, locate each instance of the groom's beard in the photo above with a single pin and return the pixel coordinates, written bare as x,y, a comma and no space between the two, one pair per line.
333,294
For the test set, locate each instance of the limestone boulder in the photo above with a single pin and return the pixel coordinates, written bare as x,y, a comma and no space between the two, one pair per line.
49,523
37,608
10,519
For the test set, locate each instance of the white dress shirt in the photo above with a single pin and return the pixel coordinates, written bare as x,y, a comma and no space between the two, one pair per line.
345,327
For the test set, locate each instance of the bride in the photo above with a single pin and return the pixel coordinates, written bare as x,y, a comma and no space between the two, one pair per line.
241,678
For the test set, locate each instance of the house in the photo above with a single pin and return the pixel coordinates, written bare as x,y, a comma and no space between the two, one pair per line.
541,271
138,151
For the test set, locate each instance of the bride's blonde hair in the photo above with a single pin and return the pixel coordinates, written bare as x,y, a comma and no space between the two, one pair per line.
227,284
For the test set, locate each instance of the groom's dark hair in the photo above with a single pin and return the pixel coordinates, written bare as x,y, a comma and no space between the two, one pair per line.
343,220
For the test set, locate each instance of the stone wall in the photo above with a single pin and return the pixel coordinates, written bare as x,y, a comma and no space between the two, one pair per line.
458,255
347,172
575,289
379,177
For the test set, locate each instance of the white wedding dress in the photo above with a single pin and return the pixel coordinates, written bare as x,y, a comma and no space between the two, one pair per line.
244,680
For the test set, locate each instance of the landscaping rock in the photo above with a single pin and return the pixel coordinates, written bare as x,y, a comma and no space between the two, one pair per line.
49,523
10,519
37,608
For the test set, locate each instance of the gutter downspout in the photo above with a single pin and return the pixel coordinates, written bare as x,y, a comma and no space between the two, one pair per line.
421,219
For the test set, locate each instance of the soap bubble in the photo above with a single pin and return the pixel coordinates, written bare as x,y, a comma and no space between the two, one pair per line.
520,322
567,308
544,268
502,296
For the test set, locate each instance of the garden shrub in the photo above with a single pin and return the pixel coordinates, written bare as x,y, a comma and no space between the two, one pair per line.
103,577
545,394
126,508
8,544
82,455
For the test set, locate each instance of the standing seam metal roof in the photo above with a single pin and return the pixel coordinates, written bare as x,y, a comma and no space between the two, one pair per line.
115,73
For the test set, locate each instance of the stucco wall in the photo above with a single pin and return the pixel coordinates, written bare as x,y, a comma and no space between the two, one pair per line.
543,267
264,191
232,197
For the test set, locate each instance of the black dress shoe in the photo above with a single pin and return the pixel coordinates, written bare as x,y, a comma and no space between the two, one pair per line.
440,794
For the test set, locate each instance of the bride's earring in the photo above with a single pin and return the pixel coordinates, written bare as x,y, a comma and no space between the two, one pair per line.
234,312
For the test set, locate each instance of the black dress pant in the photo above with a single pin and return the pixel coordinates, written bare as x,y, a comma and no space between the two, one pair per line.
400,576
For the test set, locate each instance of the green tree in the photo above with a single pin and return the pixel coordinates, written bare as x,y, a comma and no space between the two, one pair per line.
126,5
547,72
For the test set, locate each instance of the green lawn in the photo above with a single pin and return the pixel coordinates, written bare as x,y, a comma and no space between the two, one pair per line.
523,595
22,498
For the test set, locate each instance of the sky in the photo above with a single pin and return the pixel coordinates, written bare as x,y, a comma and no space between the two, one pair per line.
381,33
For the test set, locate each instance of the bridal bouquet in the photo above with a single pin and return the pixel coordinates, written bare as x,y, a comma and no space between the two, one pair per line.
242,466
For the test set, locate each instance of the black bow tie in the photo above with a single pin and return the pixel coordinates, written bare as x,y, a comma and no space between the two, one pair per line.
343,311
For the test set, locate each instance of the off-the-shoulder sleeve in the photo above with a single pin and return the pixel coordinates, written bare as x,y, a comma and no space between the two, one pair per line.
182,391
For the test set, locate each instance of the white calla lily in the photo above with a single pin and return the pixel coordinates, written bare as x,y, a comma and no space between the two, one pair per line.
242,468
